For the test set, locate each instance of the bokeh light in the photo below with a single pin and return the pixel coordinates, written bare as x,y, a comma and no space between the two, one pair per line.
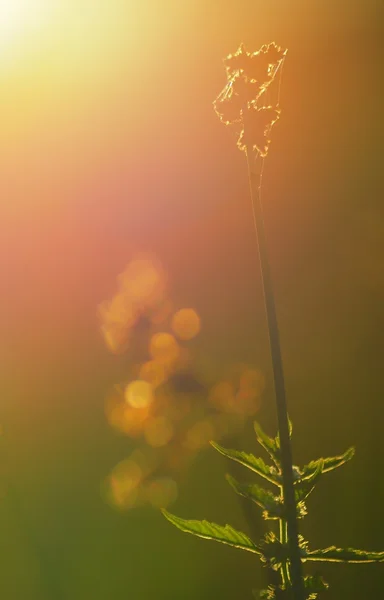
164,348
154,372
240,392
200,434
123,417
186,323
170,411
141,294
139,394
158,431
123,484
144,282
161,492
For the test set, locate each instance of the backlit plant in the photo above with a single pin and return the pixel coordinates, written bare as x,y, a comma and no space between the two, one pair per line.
240,104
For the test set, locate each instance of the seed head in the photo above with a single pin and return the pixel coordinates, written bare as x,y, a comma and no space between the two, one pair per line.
248,77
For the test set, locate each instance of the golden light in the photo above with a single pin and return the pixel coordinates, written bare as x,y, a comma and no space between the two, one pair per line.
158,432
139,394
153,372
162,492
164,348
123,417
186,323
19,19
15,15
123,484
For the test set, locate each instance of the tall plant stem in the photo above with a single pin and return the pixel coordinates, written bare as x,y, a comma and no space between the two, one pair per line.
278,375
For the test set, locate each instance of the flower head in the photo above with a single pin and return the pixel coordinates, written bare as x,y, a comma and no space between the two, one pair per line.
248,77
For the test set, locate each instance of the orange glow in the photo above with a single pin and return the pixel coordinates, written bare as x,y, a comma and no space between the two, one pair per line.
120,310
164,348
162,492
240,393
200,434
117,318
123,417
186,324
116,338
142,288
144,282
123,484
179,409
161,312
153,372
222,396
158,432
138,394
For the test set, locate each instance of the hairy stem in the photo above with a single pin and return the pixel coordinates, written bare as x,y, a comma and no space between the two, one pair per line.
285,578
278,375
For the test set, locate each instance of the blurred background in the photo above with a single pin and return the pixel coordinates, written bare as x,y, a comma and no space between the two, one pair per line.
110,149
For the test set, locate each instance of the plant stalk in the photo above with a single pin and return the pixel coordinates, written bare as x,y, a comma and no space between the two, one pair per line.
295,567
283,540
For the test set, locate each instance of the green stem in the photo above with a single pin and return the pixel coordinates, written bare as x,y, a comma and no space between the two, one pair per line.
278,375
283,540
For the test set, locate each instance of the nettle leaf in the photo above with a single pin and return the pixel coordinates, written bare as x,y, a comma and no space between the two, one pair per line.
272,593
303,545
271,504
271,445
211,531
273,552
350,555
301,510
314,584
277,593
251,462
328,463
304,486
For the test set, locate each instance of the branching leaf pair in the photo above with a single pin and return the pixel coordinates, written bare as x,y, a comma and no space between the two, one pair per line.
274,551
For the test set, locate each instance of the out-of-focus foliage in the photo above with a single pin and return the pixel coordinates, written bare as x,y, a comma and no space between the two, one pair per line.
170,411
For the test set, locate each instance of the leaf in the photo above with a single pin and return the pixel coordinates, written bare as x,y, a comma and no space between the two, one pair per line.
272,505
350,555
251,462
273,552
211,531
303,487
314,584
269,444
328,463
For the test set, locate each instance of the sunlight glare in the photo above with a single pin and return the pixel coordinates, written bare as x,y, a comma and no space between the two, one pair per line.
19,17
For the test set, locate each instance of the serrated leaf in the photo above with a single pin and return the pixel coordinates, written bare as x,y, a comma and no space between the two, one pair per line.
315,584
304,487
211,531
272,505
277,593
273,552
269,444
350,555
328,463
251,462
268,594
